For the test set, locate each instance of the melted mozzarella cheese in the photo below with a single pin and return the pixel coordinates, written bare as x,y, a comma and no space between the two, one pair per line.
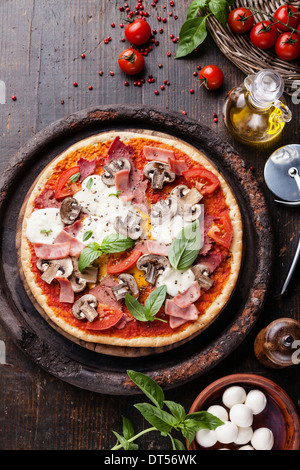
99,227
177,282
97,199
168,230
102,206
44,225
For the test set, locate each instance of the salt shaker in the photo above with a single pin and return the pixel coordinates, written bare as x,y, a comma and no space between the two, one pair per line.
275,345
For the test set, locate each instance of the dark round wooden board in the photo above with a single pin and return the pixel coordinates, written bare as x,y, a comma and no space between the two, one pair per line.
105,373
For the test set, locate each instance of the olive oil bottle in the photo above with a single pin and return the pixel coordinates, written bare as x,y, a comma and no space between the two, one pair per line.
255,112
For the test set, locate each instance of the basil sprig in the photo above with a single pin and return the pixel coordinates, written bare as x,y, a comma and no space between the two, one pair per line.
185,248
193,31
114,243
152,305
162,420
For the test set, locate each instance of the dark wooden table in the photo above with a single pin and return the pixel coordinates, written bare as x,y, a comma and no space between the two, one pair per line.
41,46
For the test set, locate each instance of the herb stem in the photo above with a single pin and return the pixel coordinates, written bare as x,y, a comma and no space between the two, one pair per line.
119,446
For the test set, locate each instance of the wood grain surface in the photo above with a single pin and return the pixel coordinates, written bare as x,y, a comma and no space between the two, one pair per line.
41,46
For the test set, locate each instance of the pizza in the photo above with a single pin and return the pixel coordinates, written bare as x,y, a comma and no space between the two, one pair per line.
131,239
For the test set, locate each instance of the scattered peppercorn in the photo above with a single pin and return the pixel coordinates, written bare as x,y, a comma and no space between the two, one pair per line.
82,56
75,84
14,97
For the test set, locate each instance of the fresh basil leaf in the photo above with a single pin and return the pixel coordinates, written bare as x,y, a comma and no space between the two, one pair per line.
148,386
194,7
74,177
192,33
128,430
157,417
88,255
116,243
124,443
188,432
220,10
202,420
176,409
155,300
89,184
87,235
176,444
185,248
135,308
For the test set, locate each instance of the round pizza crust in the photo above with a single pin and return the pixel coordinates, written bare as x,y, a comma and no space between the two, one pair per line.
91,341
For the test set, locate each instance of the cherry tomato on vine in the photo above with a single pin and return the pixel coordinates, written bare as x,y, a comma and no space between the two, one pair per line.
288,15
287,46
131,61
240,20
138,32
211,76
263,35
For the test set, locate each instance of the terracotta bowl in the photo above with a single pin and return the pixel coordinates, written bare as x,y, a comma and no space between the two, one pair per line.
280,414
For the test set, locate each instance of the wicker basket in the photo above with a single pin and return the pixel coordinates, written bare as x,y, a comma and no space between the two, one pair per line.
239,49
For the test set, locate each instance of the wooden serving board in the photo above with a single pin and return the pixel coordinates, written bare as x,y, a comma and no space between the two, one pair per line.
95,367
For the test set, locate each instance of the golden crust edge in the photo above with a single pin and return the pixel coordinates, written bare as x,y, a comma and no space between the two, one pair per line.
152,342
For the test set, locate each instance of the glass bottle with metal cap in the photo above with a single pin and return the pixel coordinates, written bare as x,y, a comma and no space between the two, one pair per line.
256,112
278,345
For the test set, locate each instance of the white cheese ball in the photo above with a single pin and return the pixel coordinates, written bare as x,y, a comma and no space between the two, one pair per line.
206,437
262,439
234,395
256,401
219,412
227,432
244,435
247,447
241,415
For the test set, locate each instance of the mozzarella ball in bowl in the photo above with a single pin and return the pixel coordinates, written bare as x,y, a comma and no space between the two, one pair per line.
241,415
219,412
226,433
256,401
206,437
262,439
234,395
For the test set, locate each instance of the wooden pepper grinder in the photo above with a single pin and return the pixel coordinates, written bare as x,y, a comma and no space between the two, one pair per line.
275,345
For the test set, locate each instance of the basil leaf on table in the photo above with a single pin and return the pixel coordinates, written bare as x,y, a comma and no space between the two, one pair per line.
148,386
220,9
192,33
185,248
194,7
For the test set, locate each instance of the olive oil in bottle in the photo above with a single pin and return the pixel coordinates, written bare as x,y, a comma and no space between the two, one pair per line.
255,112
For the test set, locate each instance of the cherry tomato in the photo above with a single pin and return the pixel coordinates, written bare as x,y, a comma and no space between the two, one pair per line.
211,76
287,46
240,20
263,35
108,317
138,32
64,187
205,179
123,265
288,15
298,29
131,61
221,231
